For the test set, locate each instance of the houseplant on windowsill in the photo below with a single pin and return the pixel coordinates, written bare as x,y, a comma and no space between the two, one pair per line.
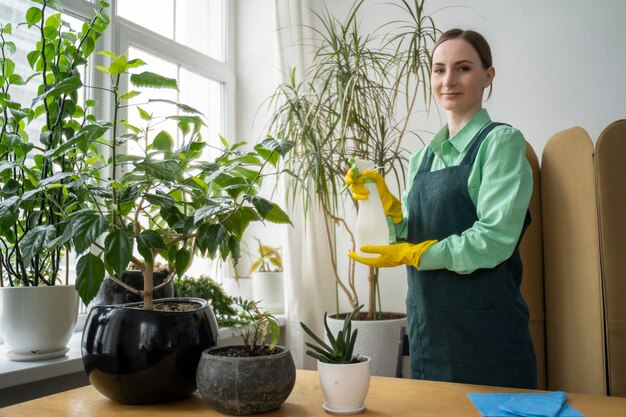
222,304
360,93
163,203
267,278
251,378
344,376
42,190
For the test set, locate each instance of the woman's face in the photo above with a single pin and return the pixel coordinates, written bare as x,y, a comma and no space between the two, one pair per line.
458,78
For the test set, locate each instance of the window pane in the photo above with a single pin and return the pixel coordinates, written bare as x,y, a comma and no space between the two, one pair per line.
198,24
205,95
155,15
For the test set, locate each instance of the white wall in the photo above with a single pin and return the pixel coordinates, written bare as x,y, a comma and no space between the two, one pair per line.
559,63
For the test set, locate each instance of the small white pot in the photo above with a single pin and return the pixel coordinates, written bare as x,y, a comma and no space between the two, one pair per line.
267,287
345,386
38,320
377,339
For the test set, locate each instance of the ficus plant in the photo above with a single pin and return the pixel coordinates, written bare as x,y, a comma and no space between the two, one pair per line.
166,201
40,188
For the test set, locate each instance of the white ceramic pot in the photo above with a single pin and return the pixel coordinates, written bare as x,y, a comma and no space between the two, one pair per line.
377,339
38,320
267,287
345,386
240,287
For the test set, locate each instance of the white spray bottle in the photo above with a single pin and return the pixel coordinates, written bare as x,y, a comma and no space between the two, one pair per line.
371,222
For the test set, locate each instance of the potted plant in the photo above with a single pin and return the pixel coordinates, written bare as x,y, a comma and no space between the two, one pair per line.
251,378
41,190
359,94
344,376
222,304
267,278
167,204
76,189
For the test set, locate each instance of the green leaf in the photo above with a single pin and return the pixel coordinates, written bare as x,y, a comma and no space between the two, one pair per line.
87,226
282,146
35,241
183,258
32,58
277,215
33,16
150,79
183,107
163,170
212,237
119,65
66,86
147,241
144,114
118,248
89,276
130,94
9,211
163,141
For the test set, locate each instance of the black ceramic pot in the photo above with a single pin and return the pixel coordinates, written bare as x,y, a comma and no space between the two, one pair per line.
246,385
112,293
136,356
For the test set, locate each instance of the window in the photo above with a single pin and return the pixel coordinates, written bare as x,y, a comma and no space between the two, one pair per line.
184,39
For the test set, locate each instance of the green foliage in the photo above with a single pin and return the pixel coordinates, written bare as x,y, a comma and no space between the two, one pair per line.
169,203
222,304
263,325
357,98
269,259
48,154
340,348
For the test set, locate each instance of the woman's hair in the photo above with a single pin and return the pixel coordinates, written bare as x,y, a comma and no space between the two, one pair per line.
478,42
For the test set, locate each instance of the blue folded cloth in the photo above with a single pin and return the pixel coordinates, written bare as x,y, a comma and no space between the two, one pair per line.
551,404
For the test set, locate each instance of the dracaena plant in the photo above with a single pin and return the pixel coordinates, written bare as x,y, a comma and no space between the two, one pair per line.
40,188
360,93
165,201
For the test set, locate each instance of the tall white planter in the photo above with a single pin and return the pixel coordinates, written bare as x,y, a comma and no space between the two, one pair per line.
267,287
377,339
345,386
38,321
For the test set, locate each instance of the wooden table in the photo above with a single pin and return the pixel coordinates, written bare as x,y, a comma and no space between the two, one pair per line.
386,397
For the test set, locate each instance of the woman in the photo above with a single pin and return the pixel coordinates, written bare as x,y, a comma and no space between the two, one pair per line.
462,217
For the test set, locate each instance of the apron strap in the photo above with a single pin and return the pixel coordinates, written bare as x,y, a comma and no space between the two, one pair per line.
470,156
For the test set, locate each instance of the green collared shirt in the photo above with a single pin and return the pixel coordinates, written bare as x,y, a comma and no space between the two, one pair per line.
500,184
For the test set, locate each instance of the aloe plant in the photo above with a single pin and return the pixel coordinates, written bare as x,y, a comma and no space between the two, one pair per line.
340,347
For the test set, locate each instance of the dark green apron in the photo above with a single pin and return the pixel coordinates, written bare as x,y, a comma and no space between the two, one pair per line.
470,328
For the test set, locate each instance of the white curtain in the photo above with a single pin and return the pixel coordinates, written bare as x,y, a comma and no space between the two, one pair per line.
309,283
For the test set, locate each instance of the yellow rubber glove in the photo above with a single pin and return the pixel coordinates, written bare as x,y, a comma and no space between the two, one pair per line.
393,255
391,205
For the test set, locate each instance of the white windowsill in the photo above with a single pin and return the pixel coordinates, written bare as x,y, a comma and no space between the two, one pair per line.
18,373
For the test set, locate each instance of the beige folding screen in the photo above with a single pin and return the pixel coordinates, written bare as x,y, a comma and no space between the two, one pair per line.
575,351
531,251
611,187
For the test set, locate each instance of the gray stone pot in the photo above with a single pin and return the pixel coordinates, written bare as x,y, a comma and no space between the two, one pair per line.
245,385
